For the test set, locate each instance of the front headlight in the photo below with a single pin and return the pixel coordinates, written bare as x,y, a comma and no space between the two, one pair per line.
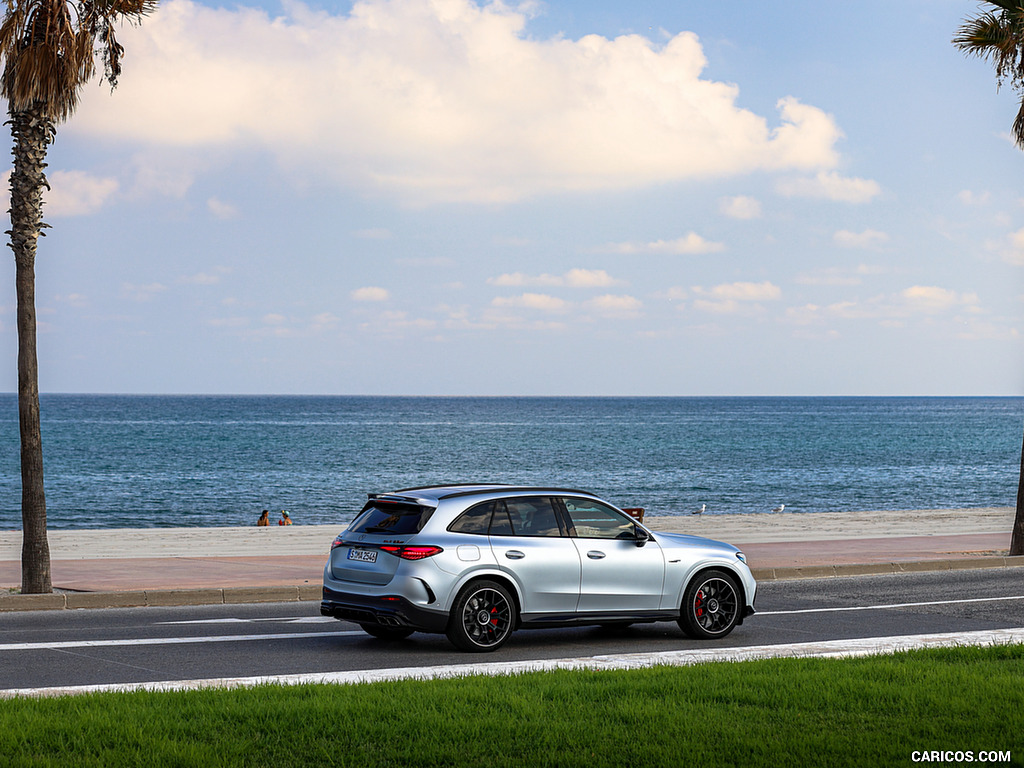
741,557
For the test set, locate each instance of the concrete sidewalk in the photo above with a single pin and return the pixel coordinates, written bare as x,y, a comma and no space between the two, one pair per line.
171,566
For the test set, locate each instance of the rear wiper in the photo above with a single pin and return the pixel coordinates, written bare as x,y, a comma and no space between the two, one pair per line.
376,529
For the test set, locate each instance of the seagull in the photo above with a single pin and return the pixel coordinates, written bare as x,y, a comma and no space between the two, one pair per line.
699,511
779,508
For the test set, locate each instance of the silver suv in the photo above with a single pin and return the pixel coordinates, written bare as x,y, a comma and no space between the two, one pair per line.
476,562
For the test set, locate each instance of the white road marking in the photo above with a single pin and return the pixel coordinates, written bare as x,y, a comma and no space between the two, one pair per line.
832,649
63,644
890,605
282,620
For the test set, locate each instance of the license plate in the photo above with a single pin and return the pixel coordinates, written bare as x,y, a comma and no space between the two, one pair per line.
363,555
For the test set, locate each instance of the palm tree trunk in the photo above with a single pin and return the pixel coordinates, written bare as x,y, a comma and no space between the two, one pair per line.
1017,537
32,136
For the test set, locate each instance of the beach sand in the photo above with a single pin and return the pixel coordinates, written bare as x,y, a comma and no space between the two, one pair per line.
316,539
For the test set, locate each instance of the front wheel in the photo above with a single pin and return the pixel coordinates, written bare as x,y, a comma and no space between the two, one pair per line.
482,617
711,606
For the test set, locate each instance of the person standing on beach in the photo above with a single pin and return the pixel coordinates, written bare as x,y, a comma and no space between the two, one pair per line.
264,519
285,519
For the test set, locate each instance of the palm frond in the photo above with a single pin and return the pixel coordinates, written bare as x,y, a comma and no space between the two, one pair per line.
50,47
998,38
1011,6
1018,127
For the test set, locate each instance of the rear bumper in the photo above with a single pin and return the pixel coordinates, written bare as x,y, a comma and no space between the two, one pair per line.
388,611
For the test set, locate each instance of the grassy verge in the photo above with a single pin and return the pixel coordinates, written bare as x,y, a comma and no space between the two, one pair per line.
857,712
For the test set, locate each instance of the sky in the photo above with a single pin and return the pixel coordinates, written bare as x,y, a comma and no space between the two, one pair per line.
448,197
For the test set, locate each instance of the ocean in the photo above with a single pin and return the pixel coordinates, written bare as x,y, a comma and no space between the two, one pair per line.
162,461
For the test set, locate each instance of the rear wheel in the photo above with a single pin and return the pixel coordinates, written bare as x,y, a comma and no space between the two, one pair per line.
386,633
711,605
482,617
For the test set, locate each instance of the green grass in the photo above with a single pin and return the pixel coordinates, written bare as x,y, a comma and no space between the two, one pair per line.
795,712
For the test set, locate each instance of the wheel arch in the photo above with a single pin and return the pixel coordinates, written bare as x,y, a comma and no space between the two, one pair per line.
487,574
712,565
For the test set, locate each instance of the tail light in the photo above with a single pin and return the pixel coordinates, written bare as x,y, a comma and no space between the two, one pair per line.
410,552
337,542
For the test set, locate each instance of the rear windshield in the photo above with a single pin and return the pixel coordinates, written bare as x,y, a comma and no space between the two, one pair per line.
391,517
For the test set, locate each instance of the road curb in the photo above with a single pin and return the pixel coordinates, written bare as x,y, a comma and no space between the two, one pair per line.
159,597
868,569
309,592
829,649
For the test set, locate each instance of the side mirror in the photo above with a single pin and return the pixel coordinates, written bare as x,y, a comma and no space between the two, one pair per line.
642,536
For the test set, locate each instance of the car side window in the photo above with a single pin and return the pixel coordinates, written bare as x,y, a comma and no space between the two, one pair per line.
533,516
474,520
593,520
501,525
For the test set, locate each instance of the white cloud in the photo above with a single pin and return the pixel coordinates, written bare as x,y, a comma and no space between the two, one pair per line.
442,100
1012,249
831,186
840,275
206,278
740,207
78,300
915,301
932,299
765,291
574,278
221,209
869,238
688,244
166,174
675,293
733,298
142,293
538,301
979,330
616,306
71,193
968,197
325,321
370,293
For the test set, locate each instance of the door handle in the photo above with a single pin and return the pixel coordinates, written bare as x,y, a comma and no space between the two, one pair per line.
595,555
515,554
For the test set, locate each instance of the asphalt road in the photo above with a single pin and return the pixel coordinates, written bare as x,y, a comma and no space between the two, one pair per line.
64,648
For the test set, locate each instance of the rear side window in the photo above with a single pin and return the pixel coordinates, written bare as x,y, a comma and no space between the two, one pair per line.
534,516
391,517
474,520
511,517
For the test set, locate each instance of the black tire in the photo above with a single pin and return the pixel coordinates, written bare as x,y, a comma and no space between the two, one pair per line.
711,605
482,617
386,633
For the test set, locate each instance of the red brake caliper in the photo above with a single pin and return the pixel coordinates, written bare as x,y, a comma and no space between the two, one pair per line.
494,619
698,606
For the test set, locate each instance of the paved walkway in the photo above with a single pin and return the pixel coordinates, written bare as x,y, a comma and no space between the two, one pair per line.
256,564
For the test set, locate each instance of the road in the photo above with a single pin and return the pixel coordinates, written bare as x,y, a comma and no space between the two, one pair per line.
66,648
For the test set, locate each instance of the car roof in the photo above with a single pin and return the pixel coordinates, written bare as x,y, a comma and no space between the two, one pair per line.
435,493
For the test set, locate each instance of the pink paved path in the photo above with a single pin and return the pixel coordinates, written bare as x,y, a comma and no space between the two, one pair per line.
125,574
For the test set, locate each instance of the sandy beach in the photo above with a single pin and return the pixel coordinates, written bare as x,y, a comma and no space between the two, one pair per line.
316,539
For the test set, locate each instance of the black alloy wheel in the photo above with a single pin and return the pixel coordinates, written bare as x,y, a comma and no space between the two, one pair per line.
482,617
711,605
